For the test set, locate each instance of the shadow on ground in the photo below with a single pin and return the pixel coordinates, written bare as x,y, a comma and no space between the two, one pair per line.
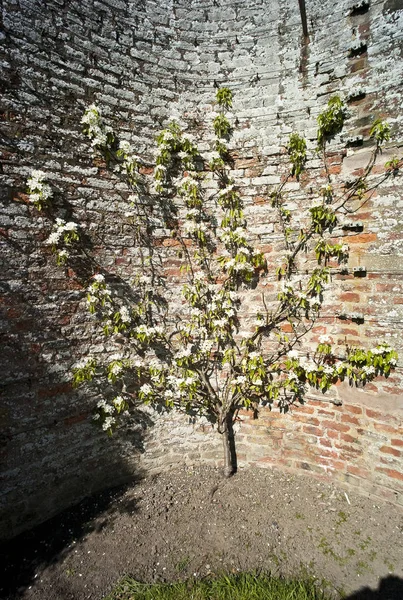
390,588
45,545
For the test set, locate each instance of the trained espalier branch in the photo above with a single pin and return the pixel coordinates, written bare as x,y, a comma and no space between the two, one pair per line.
207,359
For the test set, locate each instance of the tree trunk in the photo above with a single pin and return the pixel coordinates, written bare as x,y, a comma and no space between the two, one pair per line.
228,440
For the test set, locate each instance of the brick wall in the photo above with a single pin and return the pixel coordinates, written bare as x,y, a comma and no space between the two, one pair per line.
142,61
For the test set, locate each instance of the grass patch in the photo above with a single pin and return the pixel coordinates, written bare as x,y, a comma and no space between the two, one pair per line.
245,586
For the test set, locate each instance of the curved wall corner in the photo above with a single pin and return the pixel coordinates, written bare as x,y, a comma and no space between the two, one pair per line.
144,61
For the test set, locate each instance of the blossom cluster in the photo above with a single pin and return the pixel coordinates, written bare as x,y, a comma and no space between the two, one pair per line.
105,413
323,370
130,162
174,149
175,388
84,370
64,234
98,293
101,135
239,259
39,191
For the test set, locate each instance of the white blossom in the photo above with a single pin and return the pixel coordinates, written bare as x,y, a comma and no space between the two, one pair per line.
220,323
109,421
70,226
54,238
118,401
185,352
83,362
225,190
377,350
146,389
206,345
116,369
125,146
125,315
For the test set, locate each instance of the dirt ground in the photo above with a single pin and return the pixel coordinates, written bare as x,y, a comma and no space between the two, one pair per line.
180,524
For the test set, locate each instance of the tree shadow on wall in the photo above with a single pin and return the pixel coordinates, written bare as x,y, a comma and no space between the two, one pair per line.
53,455
390,588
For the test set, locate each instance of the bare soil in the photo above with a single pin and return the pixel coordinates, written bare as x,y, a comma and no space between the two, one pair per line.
190,522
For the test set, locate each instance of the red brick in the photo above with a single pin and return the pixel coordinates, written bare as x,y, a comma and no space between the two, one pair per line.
323,412
347,331
146,170
362,238
246,163
391,473
358,471
350,297
395,442
253,172
50,391
275,425
21,196
338,465
387,429
303,408
311,430
349,452
385,287
388,450
335,426
328,453
391,389
122,260
266,248
379,416
371,387
348,419
173,272
358,64
348,438
76,419
357,410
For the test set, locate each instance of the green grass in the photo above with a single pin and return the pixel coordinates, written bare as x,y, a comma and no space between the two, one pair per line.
228,587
